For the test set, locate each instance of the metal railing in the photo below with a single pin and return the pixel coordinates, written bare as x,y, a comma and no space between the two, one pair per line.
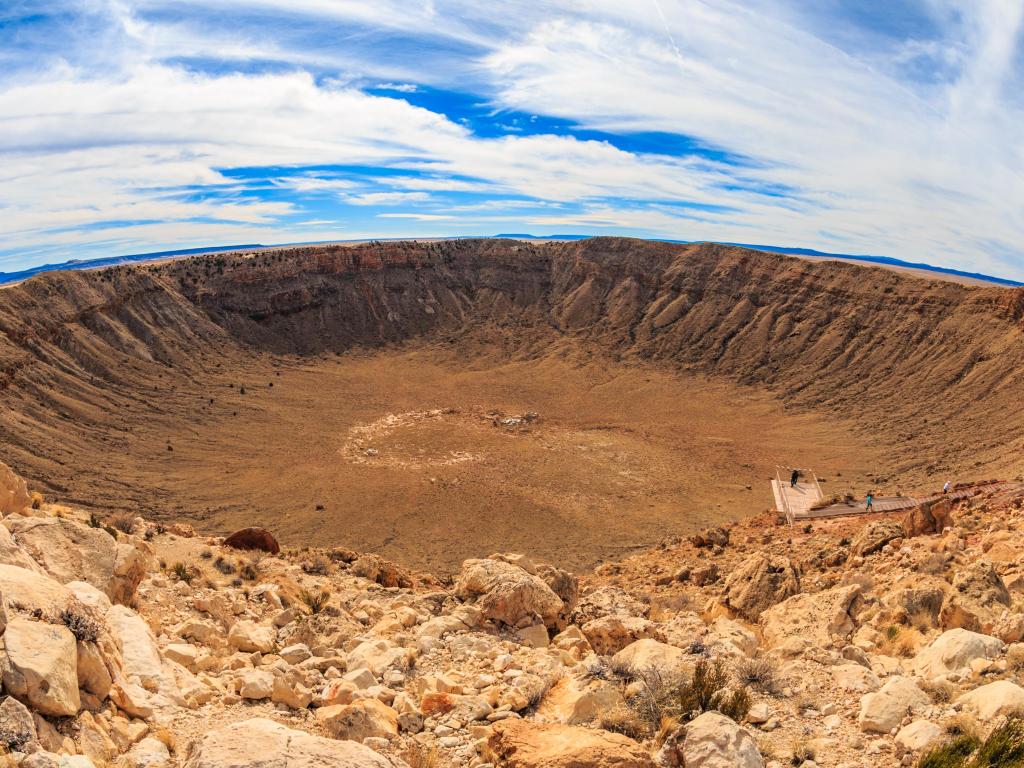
787,509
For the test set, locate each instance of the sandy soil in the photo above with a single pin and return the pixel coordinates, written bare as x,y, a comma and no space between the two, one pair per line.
423,471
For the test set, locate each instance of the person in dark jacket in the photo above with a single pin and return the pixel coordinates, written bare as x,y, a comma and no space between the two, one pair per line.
793,478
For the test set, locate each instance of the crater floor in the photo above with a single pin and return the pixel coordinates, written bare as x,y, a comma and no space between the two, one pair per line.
410,453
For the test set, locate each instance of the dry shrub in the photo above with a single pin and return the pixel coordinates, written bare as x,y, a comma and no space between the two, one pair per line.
124,522
899,641
80,621
249,571
183,573
761,674
317,566
315,601
422,756
37,500
437,704
708,689
923,621
224,566
939,691
1015,657
626,721
801,752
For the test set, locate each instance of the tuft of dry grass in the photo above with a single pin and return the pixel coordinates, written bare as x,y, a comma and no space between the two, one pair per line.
422,756
761,674
124,522
626,721
315,601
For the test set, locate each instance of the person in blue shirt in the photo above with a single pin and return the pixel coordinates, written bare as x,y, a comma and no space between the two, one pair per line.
869,501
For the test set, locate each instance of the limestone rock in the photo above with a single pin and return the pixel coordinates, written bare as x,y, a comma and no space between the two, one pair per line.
150,753
931,517
610,634
378,656
365,718
32,590
522,744
39,665
384,572
636,658
72,551
760,582
575,702
564,584
251,637
875,535
715,741
93,673
977,600
607,601
953,651
138,646
14,496
16,724
508,594
885,709
731,638
12,554
261,743
993,700
854,677
918,735
821,618
256,684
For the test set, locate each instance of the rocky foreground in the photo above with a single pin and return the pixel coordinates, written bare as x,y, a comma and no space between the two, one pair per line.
870,642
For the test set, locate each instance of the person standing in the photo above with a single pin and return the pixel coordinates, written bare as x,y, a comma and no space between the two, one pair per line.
793,478
945,488
869,502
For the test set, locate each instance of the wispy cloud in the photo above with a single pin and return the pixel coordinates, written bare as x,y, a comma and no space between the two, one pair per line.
886,128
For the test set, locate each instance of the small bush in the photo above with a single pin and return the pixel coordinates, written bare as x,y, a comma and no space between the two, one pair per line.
224,566
249,572
760,674
182,572
707,691
37,500
316,602
939,691
124,522
626,721
94,520
206,554
82,624
802,752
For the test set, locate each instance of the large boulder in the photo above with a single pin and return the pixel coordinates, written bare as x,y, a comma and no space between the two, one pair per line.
251,637
262,743
977,600
253,539
12,554
610,634
875,535
714,741
14,496
607,601
574,702
139,651
522,744
509,594
918,735
760,582
994,700
821,618
643,655
930,517
39,666
953,651
885,709
32,591
363,719
71,551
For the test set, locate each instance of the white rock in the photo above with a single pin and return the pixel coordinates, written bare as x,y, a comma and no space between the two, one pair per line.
918,735
39,666
953,651
715,741
993,700
251,637
138,646
885,709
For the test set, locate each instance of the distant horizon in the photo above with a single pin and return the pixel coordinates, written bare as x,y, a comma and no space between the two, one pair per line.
892,127
15,276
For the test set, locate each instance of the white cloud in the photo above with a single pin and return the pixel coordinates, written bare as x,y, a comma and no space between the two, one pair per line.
140,151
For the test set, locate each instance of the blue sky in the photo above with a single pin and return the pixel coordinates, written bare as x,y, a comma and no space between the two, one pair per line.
862,127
